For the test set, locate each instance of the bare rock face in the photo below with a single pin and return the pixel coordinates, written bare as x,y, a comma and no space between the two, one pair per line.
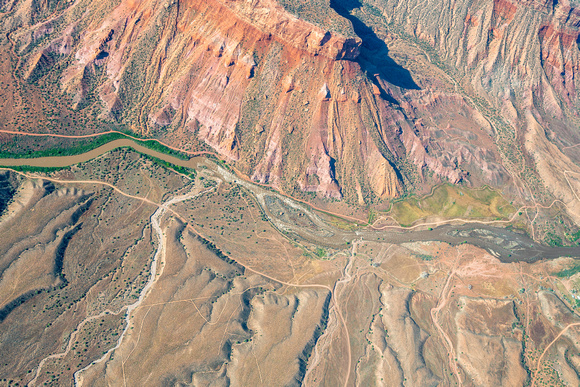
214,71
517,63
269,16
509,44
210,62
491,88
383,177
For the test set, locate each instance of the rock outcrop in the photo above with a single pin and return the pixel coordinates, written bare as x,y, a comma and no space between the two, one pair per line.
212,72
313,101
516,62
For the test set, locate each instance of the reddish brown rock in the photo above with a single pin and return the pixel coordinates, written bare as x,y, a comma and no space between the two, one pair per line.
217,70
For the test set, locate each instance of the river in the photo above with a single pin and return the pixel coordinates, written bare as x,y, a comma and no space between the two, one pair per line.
505,244
65,161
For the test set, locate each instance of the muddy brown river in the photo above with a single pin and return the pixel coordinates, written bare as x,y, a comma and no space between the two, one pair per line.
505,244
65,161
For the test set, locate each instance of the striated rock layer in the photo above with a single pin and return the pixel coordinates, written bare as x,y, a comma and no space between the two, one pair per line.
288,101
360,100
518,63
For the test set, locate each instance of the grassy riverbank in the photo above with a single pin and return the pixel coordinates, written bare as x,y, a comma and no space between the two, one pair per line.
88,144
159,155
448,201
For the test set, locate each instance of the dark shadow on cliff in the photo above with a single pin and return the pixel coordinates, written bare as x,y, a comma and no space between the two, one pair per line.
374,56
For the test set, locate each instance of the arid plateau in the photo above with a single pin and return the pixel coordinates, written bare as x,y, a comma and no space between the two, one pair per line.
287,192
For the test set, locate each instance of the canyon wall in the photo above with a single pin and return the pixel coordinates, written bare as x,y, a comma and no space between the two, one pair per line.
287,101
358,101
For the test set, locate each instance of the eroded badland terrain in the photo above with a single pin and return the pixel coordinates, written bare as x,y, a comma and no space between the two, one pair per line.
286,192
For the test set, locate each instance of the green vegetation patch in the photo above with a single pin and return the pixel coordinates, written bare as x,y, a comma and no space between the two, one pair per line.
573,237
339,222
82,147
86,145
449,201
424,257
177,168
553,240
320,252
569,272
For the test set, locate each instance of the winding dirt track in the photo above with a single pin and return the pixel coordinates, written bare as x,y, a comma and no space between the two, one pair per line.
192,229
164,157
443,298
548,347
71,341
133,142
155,222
